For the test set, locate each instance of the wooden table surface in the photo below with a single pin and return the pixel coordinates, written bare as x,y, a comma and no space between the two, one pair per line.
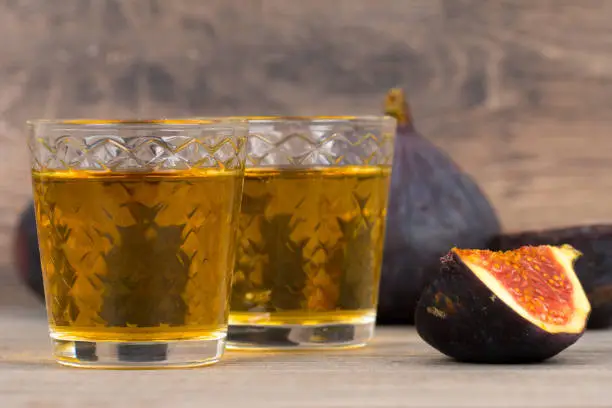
396,370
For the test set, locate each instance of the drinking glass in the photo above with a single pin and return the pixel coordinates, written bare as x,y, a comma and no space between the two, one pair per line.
136,223
312,226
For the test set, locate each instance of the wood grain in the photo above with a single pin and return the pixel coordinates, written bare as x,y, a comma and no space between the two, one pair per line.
396,370
518,92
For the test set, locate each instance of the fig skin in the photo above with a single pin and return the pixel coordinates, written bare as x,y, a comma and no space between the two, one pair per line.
433,207
461,317
593,268
26,253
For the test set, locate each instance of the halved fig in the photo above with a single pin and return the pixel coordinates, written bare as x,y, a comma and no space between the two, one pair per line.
519,306
593,268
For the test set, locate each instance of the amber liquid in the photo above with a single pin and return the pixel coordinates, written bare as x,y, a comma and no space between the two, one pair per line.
137,256
310,246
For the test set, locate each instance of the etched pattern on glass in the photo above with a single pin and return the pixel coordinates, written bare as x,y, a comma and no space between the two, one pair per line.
137,252
130,251
121,150
310,240
305,143
312,220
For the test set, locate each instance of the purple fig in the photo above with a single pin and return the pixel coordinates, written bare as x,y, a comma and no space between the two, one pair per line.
433,207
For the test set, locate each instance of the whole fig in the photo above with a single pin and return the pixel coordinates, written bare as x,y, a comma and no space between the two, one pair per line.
433,207
26,254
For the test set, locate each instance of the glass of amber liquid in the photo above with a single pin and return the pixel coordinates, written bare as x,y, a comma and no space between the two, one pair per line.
137,229
312,225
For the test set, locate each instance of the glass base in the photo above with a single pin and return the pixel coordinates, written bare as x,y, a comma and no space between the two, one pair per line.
299,337
138,355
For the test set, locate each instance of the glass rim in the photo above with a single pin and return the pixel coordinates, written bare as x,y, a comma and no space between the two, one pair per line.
308,118
143,123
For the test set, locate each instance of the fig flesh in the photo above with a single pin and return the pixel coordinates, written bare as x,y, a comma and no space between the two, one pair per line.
594,267
433,207
520,306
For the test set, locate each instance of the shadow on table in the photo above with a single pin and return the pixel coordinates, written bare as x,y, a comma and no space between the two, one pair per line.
447,363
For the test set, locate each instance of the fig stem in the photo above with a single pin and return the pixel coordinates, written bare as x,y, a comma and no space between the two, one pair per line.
397,106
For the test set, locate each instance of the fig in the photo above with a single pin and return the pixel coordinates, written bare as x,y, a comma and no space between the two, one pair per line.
26,253
433,207
594,267
521,306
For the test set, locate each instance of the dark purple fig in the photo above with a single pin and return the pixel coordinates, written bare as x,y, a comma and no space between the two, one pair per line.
433,207
520,306
594,267
26,254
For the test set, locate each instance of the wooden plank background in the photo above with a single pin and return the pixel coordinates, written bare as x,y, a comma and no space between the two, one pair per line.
519,92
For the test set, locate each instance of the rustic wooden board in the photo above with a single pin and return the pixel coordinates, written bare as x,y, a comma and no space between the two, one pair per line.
396,370
517,91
